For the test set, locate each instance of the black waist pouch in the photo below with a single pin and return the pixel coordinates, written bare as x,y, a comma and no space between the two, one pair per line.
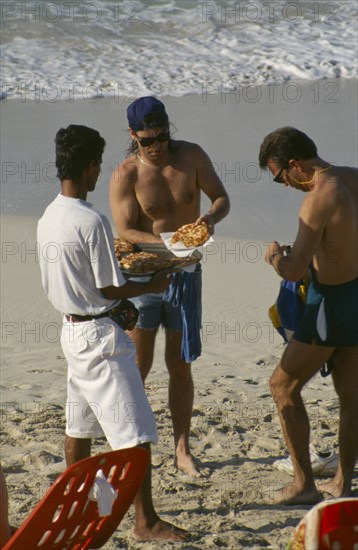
125,314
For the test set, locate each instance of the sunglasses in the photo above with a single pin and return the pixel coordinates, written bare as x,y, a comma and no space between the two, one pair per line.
147,141
278,178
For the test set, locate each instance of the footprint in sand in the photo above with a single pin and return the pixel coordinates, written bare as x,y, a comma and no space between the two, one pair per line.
39,371
40,458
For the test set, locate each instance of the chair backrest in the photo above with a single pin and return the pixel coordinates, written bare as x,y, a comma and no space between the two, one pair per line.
328,525
339,525
66,519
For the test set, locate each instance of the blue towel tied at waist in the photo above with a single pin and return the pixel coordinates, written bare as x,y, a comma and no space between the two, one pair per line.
182,293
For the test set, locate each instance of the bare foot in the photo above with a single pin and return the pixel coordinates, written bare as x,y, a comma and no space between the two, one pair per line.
190,465
291,495
161,530
333,488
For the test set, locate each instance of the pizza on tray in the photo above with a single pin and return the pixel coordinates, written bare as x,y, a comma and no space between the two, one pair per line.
121,247
150,262
191,235
144,262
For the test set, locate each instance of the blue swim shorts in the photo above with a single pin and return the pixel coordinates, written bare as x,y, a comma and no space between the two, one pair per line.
154,310
331,315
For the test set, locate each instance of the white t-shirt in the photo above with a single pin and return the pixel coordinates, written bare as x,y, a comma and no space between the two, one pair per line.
76,256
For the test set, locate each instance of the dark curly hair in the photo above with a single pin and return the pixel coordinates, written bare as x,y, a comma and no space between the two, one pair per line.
285,144
76,147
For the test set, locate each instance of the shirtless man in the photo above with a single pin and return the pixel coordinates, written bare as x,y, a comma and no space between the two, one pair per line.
157,189
327,237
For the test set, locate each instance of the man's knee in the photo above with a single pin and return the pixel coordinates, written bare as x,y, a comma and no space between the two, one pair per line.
281,385
346,388
179,370
275,378
144,369
144,340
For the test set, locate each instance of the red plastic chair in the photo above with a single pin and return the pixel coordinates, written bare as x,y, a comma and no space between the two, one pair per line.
339,525
328,525
65,518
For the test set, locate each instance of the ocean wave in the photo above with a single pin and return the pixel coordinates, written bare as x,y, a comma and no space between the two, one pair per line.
71,49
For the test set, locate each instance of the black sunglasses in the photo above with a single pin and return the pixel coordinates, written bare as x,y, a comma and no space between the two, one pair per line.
278,178
147,141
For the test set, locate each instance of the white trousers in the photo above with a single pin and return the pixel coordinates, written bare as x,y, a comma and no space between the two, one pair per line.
105,393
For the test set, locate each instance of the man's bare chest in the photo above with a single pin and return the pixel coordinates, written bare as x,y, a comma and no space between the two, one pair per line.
165,194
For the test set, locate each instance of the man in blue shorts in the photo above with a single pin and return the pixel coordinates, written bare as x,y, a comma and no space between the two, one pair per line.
158,189
327,239
82,279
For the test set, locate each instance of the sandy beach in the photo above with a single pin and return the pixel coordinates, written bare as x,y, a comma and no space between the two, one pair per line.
235,428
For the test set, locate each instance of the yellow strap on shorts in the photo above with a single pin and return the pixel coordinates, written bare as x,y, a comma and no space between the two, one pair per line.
274,316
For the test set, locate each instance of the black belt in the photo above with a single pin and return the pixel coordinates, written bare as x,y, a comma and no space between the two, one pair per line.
81,318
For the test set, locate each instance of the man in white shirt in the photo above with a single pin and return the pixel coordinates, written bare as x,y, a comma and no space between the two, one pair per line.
82,279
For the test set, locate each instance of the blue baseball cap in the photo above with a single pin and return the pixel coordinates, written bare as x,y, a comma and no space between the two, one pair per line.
141,108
